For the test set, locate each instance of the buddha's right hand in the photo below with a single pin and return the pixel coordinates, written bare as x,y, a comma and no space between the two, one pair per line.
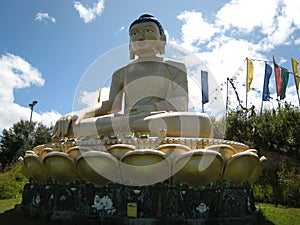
63,126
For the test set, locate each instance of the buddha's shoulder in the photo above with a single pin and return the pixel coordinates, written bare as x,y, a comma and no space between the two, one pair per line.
121,70
175,64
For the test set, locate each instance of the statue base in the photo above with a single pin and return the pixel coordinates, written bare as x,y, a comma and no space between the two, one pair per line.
168,202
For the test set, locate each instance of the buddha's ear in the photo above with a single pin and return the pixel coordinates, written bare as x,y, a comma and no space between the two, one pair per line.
131,53
162,44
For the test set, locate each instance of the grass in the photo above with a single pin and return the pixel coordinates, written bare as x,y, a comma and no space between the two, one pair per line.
280,215
8,204
272,215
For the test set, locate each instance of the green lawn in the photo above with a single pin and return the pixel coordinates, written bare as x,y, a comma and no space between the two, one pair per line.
280,215
8,204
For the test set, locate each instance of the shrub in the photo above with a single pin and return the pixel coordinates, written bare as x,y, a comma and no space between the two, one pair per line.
12,182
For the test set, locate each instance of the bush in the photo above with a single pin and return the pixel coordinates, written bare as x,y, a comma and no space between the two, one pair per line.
12,182
275,134
263,193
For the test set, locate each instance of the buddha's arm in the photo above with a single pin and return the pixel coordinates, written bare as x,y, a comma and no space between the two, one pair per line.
114,104
104,109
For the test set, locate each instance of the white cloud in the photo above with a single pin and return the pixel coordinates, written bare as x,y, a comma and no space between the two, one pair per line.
90,99
89,14
44,17
195,29
292,11
242,29
247,15
17,73
276,20
297,41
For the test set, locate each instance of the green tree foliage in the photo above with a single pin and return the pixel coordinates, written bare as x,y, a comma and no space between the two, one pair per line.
276,130
15,141
276,135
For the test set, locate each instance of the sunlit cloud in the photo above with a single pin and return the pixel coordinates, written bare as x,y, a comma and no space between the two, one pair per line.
195,29
88,14
44,17
90,99
17,73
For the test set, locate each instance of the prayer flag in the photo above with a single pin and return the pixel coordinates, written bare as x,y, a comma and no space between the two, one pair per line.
285,79
204,86
266,91
249,73
295,66
278,78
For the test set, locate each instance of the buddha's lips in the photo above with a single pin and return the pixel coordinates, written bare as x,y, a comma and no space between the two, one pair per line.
142,43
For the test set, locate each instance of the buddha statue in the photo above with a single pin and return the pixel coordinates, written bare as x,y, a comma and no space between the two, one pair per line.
150,85
155,94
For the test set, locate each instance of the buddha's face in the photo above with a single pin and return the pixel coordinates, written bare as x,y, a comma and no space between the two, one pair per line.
145,38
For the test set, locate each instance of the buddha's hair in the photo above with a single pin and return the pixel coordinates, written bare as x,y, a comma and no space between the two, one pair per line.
148,18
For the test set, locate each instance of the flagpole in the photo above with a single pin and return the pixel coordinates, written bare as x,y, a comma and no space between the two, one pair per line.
261,107
298,97
227,102
227,95
297,90
247,83
295,72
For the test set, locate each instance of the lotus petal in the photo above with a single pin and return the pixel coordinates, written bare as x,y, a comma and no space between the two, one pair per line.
98,167
77,151
240,167
144,167
198,167
118,150
225,150
173,149
34,167
60,166
257,173
44,152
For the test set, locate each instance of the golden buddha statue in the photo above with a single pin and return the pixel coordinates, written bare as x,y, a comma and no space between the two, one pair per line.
151,86
178,143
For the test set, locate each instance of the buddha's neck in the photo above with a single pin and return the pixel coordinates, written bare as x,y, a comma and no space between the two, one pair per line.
149,57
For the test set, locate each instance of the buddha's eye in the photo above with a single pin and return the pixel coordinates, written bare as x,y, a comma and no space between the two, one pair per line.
133,33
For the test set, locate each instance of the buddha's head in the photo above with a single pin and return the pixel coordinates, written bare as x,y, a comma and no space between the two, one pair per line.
147,37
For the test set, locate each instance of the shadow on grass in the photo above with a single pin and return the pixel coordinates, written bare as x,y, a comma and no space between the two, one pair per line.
261,220
12,217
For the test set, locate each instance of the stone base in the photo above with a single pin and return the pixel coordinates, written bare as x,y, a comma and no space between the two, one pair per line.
163,203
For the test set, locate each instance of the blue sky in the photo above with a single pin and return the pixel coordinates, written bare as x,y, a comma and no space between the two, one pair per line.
47,47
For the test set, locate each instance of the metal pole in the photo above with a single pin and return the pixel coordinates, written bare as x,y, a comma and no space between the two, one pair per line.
227,100
31,105
247,84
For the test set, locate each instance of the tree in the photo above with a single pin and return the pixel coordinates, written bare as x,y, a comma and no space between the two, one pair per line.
276,130
15,141
276,135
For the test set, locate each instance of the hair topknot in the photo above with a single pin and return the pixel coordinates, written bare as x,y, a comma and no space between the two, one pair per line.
148,18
